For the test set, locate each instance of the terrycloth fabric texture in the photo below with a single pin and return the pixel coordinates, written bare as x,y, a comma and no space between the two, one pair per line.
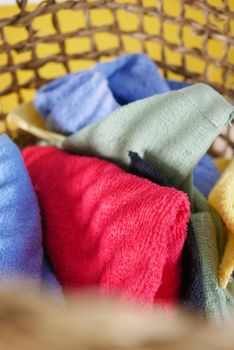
74,101
132,77
79,99
168,127
20,226
192,294
205,175
221,199
109,229
206,227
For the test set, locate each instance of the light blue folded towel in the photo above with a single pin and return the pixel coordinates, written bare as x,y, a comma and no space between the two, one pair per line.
20,225
21,253
76,100
132,77
70,103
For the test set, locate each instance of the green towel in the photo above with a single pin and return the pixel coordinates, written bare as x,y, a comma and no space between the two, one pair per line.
207,225
171,131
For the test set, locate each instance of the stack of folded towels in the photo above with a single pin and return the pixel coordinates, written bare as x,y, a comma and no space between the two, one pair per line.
129,203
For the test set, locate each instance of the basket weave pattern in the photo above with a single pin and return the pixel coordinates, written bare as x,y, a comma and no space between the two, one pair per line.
218,27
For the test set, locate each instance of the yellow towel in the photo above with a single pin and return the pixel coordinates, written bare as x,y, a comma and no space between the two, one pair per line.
221,199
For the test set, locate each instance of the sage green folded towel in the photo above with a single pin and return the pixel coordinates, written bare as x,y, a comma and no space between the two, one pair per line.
171,131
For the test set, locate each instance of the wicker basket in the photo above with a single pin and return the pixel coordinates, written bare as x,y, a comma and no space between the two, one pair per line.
202,30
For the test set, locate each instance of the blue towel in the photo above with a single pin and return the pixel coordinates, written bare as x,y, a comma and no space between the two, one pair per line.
74,101
132,77
20,225
21,253
79,99
205,175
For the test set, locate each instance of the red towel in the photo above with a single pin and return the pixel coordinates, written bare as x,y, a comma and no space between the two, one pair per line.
109,229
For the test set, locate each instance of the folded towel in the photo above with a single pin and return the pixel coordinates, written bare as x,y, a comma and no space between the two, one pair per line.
108,229
221,199
20,225
205,175
79,99
21,254
74,101
132,77
192,293
168,128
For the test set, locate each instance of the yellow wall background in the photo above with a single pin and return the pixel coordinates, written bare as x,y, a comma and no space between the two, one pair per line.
69,21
